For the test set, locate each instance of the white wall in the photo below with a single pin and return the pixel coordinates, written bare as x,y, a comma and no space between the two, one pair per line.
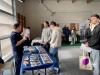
67,12
19,7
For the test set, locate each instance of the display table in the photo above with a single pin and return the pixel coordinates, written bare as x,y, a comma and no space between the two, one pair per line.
38,59
36,40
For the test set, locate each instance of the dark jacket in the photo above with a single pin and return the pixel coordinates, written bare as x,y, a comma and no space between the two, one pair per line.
67,32
88,34
95,38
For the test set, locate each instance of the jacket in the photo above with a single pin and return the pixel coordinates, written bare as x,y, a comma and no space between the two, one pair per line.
67,32
56,37
73,32
46,35
88,34
95,38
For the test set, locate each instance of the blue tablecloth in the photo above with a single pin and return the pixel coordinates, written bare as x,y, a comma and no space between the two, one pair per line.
43,66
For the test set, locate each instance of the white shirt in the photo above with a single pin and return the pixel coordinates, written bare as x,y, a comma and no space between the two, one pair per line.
26,33
46,35
92,27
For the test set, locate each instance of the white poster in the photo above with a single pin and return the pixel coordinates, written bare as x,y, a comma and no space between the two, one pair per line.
82,30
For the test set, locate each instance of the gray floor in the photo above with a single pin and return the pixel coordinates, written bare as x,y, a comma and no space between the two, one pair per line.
69,62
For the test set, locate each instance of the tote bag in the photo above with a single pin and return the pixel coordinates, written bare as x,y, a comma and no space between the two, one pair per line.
85,62
70,38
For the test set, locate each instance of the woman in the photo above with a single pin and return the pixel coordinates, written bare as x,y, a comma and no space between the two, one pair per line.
46,36
73,34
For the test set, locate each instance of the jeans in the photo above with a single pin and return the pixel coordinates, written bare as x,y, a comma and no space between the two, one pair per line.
54,54
73,39
95,57
18,59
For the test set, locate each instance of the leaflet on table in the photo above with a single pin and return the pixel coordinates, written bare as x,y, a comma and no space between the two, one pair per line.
34,60
30,49
40,49
26,61
83,47
45,58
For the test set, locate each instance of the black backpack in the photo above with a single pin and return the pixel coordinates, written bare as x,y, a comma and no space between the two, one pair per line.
1,61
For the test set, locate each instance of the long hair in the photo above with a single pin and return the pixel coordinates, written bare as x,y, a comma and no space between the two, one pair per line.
47,23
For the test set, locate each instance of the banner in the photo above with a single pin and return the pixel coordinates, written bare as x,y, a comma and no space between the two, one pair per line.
82,30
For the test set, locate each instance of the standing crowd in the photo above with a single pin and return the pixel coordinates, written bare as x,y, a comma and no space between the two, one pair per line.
69,35
51,40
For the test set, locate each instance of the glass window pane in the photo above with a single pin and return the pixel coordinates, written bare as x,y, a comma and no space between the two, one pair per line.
6,48
6,27
6,19
8,1
6,6
5,30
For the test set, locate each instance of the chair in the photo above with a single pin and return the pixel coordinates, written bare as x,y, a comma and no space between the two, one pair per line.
6,66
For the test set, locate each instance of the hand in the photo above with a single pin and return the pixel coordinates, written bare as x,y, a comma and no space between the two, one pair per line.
24,29
50,46
86,44
44,42
24,38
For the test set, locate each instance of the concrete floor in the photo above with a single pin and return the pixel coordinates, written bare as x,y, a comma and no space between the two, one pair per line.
69,62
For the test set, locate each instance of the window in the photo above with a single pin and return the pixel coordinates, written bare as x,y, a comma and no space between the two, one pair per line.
6,27
6,19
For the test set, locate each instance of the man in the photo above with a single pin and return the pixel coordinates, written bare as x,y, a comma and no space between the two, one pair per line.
64,29
26,33
46,36
94,43
55,43
67,34
17,45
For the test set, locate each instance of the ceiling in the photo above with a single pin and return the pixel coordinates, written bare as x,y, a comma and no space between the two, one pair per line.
70,0
88,1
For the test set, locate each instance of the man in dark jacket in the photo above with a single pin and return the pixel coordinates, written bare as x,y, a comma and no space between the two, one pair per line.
64,28
67,34
94,43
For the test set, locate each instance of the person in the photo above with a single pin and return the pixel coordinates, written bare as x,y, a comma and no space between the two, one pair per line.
94,43
17,42
46,36
64,37
29,36
55,43
67,34
64,29
88,34
73,34
26,33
